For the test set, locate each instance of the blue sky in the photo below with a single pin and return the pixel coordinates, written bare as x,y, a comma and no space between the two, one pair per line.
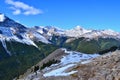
66,14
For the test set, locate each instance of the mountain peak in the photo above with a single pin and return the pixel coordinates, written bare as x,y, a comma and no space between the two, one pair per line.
2,17
110,30
79,27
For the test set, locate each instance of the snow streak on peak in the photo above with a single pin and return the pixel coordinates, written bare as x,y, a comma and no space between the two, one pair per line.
60,71
110,32
76,32
2,17
79,27
6,31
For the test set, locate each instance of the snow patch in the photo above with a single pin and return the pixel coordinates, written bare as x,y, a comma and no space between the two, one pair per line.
40,31
5,46
76,32
85,62
26,40
6,31
6,34
60,71
74,57
2,17
41,38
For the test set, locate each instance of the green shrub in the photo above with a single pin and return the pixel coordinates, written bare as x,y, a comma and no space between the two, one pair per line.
49,63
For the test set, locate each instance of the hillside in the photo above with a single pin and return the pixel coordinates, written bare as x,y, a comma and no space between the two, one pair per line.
22,57
91,46
105,67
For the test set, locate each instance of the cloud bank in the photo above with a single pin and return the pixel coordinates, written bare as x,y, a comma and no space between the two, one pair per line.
22,8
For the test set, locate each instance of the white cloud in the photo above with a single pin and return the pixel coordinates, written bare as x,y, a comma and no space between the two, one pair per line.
22,8
17,12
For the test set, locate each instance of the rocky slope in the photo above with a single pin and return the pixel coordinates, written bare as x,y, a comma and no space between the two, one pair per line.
105,67
57,63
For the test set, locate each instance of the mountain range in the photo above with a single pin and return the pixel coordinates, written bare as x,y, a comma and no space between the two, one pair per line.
22,47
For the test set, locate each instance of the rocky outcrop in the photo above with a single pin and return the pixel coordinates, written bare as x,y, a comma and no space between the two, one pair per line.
106,67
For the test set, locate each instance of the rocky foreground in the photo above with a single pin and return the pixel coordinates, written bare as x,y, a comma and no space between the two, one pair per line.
105,67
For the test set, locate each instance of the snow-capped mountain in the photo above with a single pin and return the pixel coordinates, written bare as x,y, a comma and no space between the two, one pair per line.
102,34
7,22
9,27
19,46
77,32
49,30
11,30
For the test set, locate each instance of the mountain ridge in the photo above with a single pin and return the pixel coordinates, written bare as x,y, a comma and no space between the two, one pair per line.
106,67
